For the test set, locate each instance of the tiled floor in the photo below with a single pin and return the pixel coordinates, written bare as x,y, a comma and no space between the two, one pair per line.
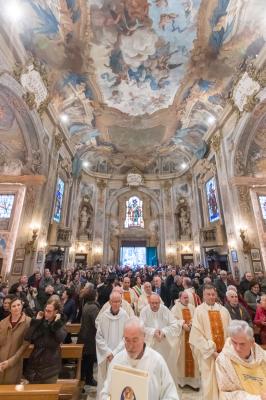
185,394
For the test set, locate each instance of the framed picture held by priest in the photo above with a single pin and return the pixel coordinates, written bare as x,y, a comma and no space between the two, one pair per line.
128,384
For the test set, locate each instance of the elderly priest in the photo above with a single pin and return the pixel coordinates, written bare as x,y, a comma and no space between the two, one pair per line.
241,366
162,332
109,336
138,355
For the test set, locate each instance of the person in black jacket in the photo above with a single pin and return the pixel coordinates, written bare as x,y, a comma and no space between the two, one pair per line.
87,335
46,333
161,290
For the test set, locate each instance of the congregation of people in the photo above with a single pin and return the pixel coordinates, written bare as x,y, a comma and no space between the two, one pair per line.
187,326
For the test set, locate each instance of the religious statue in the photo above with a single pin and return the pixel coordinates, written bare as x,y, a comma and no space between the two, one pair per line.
85,221
183,219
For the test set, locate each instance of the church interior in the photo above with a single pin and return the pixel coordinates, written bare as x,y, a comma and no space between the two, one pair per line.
132,138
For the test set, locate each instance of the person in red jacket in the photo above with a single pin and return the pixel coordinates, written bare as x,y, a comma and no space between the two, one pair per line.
260,318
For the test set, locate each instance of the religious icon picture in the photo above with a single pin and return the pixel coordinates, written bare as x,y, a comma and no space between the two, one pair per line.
255,254
234,256
20,254
17,268
134,213
211,193
6,208
40,256
128,394
129,383
257,266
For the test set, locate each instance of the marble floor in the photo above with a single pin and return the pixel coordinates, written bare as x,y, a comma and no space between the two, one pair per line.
185,394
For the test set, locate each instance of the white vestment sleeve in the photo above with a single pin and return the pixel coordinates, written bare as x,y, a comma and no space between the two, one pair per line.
172,331
102,349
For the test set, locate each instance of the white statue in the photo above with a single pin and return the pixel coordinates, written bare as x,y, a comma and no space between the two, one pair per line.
184,223
83,220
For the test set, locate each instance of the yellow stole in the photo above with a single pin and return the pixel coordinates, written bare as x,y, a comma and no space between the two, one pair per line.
127,296
217,330
253,380
189,361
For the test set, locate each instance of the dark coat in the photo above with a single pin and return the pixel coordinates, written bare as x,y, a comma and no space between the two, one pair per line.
164,294
239,312
221,289
70,310
88,330
45,359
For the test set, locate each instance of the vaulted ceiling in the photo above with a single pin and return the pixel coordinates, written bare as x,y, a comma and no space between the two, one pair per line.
141,81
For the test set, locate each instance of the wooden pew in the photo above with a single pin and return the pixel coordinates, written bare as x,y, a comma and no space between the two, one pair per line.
73,329
69,387
263,346
30,392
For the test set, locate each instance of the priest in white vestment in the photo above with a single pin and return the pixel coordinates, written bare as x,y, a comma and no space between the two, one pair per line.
137,355
109,336
144,298
207,338
194,299
162,331
187,365
124,305
241,366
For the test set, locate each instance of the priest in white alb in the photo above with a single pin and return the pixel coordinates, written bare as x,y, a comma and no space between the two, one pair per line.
241,366
109,336
137,355
207,338
124,305
187,365
162,331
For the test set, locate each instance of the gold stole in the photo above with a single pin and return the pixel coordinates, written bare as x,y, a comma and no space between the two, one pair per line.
253,380
127,297
189,361
217,329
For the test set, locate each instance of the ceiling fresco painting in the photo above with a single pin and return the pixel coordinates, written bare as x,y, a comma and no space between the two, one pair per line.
141,80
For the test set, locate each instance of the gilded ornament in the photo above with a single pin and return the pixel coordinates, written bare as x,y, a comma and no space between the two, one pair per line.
29,98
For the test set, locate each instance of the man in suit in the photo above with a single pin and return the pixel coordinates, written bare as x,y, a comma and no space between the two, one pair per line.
221,285
161,290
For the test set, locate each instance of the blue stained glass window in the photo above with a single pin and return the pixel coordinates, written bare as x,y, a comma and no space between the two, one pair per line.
60,186
134,213
6,205
213,208
262,200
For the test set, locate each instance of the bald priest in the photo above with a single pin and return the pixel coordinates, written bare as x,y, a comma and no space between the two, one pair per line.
137,355
241,366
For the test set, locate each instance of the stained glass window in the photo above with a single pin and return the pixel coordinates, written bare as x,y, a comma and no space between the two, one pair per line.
213,208
60,186
6,205
134,213
262,200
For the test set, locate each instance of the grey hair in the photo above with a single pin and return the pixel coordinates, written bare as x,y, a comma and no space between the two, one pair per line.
135,322
232,287
230,291
236,327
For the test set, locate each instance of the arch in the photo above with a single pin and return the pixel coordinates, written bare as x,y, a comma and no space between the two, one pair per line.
114,197
29,123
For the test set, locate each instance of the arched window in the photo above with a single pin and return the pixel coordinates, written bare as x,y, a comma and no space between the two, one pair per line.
134,213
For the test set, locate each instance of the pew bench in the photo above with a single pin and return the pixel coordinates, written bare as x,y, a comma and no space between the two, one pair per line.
263,346
73,329
30,392
70,388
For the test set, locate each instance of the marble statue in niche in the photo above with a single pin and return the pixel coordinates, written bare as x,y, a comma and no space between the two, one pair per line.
85,220
183,220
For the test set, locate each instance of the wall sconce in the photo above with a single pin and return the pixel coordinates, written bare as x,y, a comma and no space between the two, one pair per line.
30,245
245,242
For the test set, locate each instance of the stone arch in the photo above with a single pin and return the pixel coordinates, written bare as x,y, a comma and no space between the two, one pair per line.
115,197
29,123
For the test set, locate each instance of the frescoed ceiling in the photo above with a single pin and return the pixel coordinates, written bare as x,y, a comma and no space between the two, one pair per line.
141,80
